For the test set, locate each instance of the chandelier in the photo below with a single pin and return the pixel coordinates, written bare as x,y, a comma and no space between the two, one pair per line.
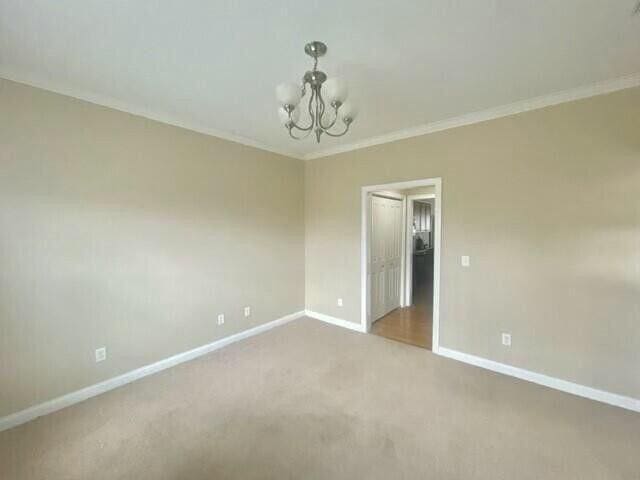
322,90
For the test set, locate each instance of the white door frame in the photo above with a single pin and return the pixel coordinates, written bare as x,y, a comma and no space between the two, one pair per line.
365,306
408,249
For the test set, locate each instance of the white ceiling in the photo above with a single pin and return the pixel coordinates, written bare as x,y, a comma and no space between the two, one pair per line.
213,65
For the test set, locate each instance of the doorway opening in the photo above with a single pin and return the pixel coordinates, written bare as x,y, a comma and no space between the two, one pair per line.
401,234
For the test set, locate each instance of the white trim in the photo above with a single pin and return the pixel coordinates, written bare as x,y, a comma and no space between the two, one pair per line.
72,398
406,185
622,401
365,301
365,320
334,321
586,91
514,108
148,113
406,247
437,252
391,195
408,258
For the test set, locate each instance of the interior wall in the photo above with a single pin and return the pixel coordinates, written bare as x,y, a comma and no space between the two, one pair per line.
545,203
122,232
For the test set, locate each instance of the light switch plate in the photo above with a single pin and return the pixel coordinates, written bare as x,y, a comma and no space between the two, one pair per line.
339,302
506,339
220,319
465,260
247,311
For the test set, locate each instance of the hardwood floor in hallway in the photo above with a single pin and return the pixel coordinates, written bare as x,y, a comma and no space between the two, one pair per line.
412,325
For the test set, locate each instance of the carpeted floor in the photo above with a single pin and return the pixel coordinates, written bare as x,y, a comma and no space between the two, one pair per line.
314,401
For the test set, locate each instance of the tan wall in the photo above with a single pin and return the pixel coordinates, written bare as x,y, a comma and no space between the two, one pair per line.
122,232
546,203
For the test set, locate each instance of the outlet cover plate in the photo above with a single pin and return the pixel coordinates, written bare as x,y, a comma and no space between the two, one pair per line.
101,354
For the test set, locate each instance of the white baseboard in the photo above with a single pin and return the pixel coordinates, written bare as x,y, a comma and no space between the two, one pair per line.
622,401
72,398
335,321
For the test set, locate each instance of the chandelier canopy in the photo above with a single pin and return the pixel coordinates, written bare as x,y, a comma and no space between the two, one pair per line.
332,90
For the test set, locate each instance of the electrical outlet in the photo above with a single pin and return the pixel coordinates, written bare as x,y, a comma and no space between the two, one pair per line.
247,311
101,354
465,260
506,339
221,319
339,302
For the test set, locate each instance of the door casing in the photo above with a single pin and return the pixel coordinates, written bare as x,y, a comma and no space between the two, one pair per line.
365,306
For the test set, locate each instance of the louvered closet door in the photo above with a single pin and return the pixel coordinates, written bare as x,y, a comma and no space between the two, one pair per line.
385,255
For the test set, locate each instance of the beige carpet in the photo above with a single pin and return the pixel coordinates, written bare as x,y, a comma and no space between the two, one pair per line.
313,401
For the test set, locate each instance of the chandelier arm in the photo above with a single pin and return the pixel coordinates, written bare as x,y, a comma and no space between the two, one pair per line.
339,134
302,137
298,127
318,113
310,127
322,105
319,109
313,118
333,122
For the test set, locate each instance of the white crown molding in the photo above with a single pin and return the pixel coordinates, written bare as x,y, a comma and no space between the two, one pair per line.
535,103
125,107
72,398
614,399
335,321
522,106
